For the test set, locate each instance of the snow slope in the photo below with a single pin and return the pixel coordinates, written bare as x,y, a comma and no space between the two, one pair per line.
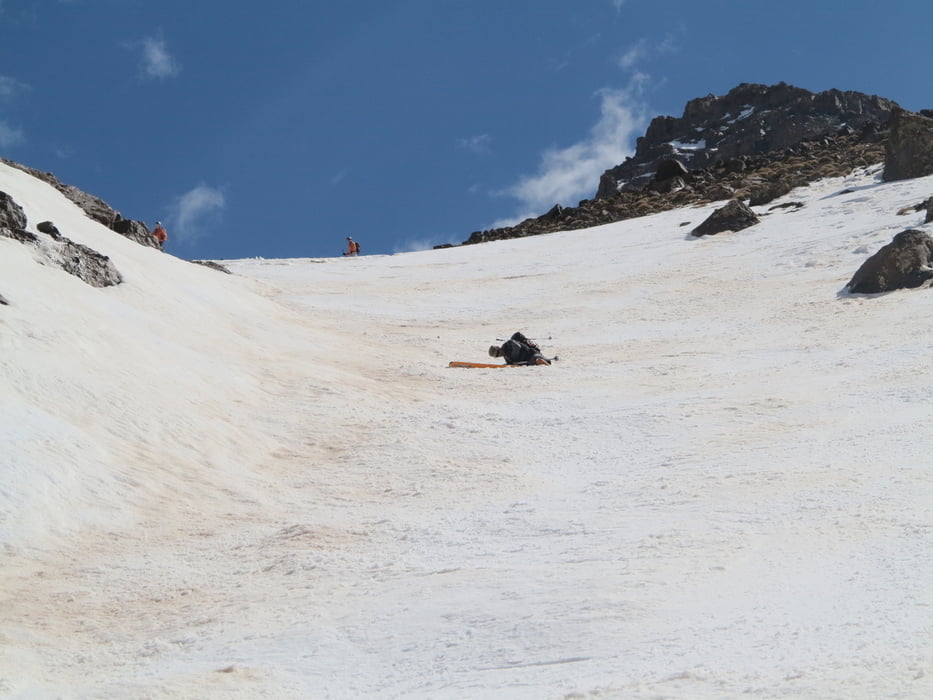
271,485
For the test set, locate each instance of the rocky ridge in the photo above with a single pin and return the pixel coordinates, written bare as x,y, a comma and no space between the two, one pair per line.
756,143
94,207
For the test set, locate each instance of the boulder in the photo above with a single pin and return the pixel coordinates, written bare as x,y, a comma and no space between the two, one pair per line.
12,215
49,228
670,168
909,149
735,216
136,231
84,263
904,263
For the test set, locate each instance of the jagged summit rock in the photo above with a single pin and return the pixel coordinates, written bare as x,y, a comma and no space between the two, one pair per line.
749,120
754,144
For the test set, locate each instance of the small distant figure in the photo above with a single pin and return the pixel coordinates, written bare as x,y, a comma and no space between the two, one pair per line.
160,235
353,248
519,350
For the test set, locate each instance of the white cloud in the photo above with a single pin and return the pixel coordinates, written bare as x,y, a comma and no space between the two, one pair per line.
157,62
569,174
10,136
195,209
618,4
10,87
477,144
644,50
634,55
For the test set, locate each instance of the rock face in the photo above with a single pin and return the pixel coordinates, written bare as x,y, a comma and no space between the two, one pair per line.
95,208
12,216
84,263
909,149
733,217
750,120
904,263
759,179
756,143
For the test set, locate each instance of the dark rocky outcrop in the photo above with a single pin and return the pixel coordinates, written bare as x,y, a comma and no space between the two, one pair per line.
94,207
12,216
904,263
909,149
750,120
759,180
55,250
49,228
135,230
735,216
86,264
716,151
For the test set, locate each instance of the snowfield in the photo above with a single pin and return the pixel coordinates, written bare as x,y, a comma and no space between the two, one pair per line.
270,485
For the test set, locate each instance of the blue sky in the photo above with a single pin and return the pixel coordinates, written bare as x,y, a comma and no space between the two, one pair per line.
277,129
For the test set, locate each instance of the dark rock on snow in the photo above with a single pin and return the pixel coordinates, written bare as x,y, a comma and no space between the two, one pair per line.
909,148
755,144
904,263
84,263
750,120
12,215
735,216
94,207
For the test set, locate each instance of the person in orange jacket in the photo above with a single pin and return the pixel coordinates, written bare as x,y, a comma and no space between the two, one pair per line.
160,235
353,248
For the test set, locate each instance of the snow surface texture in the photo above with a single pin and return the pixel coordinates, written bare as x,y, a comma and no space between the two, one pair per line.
270,485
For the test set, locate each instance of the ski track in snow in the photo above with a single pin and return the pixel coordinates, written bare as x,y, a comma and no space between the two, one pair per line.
722,489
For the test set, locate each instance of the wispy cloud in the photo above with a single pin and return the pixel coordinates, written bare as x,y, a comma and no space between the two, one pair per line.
644,50
569,174
476,144
10,136
618,4
198,208
11,87
156,61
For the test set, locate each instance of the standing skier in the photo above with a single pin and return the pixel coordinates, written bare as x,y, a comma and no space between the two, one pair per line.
160,235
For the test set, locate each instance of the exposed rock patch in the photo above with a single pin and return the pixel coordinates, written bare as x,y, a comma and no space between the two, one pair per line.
759,180
756,144
750,120
735,216
55,250
904,263
94,207
909,149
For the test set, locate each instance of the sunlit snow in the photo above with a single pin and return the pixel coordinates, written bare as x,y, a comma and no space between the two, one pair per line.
270,485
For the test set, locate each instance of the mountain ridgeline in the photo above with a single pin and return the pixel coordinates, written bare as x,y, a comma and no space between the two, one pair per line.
755,144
